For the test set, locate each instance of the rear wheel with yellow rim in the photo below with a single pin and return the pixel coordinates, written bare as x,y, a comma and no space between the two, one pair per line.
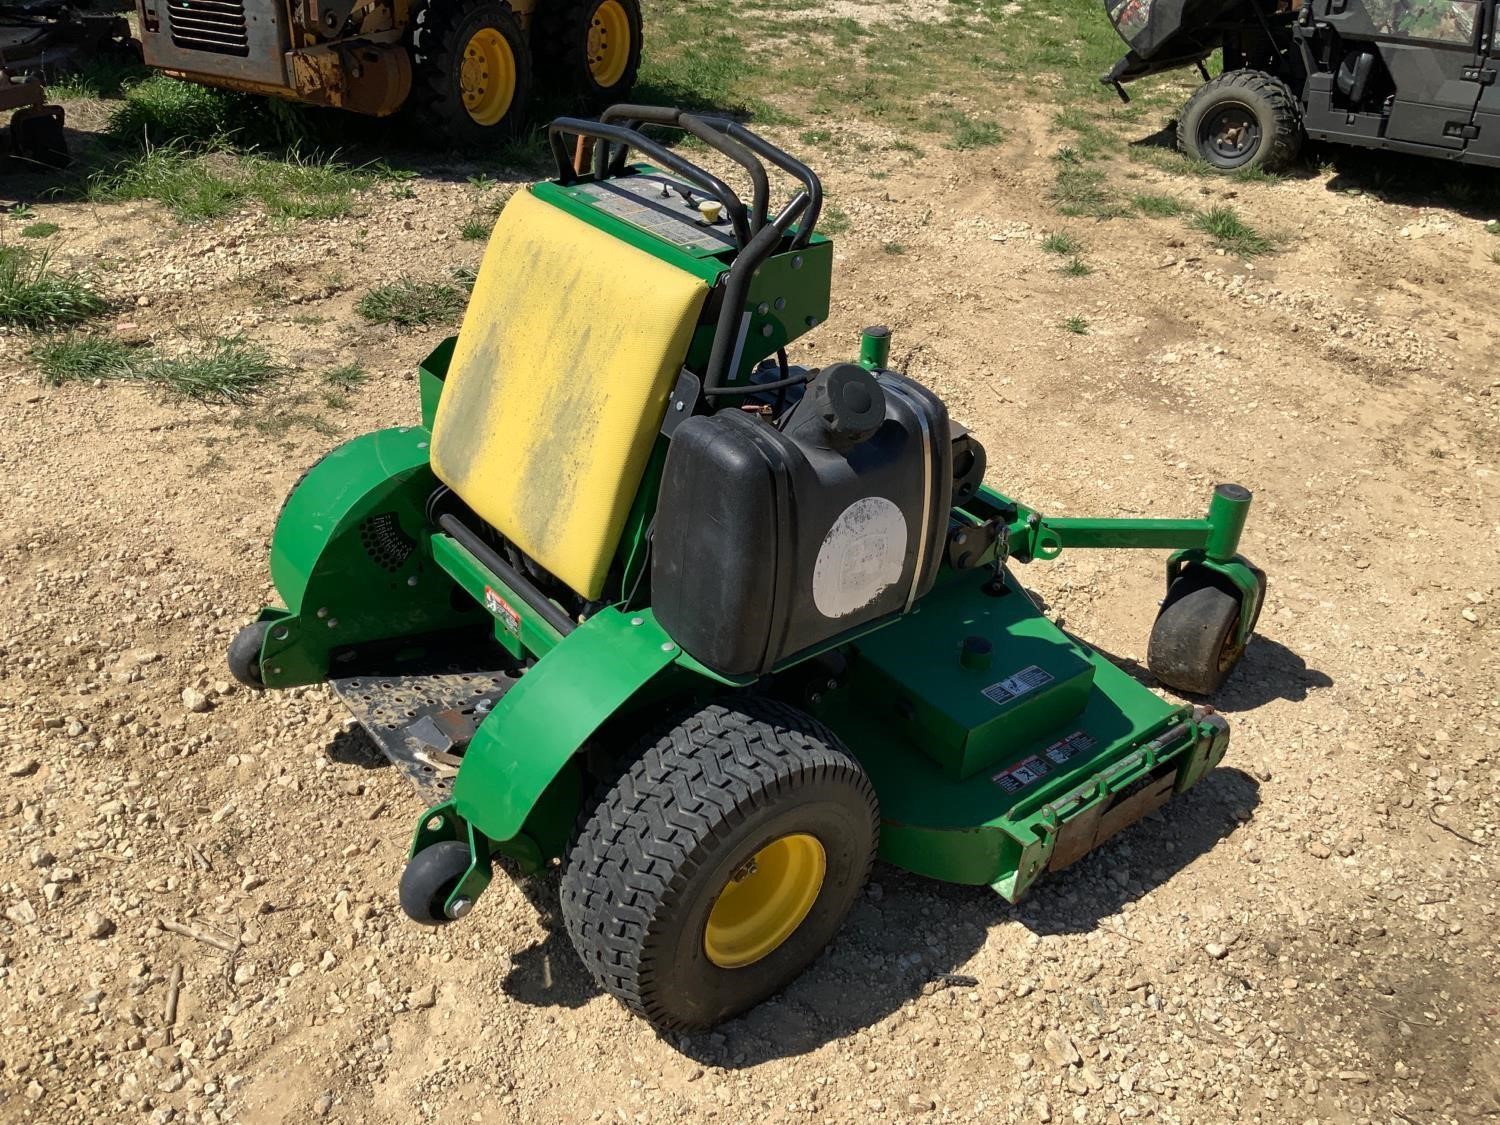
720,863
473,70
589,48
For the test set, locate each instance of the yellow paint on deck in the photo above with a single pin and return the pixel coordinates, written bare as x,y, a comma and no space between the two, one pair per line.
569,349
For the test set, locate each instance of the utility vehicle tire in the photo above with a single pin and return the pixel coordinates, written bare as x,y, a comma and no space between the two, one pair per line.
472,70
244,654
588,48
721,862
1243,119
1193,648
429,879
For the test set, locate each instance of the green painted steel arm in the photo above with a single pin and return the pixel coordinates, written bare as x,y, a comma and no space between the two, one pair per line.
546,718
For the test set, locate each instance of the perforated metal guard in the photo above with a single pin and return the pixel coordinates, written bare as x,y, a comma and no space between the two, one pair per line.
422,722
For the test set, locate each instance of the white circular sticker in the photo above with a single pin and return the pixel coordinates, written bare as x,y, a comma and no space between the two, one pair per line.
860,558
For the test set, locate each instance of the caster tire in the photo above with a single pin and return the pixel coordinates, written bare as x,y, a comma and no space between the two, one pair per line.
429,879
1193,647
37,137
244,655
721,863
1240,120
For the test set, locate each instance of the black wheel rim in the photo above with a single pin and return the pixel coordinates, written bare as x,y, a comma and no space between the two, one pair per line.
1229,136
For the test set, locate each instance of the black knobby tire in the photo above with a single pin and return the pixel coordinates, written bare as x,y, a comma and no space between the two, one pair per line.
560,45
1240,120
441,31
649,863
429,879
244,654
1193,648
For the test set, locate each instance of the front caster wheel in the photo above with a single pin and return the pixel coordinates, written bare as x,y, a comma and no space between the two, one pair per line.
429,879
1194,643
244,654
721,864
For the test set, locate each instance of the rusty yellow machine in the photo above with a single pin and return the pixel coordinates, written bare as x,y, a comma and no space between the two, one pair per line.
465,67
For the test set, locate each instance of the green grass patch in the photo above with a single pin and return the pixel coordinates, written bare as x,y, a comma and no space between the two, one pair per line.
34,295
1258,175
98,78
1493,226
894,248
1077,267
833,220
1156,205
346,376
1061,242
1231,233
227,369
970,133
164,110
408,303
475,228
78,358
39,230
1081,191
1076,325
197,185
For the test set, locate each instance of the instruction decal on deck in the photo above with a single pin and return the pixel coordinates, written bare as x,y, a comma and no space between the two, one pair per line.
1064,748
1027,679
1021,775
500,608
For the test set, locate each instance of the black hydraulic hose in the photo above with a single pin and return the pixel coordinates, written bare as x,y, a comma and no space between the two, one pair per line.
537,601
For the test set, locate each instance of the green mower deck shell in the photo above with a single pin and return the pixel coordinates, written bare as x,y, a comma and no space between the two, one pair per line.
350,560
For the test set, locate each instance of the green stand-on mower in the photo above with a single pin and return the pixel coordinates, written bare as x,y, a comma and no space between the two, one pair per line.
711,629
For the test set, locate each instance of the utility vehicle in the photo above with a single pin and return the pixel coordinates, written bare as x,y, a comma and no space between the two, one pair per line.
1414,76
465,67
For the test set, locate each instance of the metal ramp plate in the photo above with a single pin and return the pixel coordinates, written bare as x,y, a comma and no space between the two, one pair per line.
423,721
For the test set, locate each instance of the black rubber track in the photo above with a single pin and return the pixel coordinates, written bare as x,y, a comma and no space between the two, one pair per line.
708,791
1269,97
559,43
440,28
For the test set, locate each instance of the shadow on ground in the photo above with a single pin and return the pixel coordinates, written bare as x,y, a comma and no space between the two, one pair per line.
910,935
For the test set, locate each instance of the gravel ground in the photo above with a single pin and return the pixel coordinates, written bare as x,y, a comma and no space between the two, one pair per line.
198,885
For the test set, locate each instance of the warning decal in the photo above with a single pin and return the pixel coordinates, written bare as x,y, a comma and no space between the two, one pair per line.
501,609
1063,749
1019,776
1027,679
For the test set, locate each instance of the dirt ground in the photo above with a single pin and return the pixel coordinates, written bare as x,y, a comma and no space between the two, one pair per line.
1309,935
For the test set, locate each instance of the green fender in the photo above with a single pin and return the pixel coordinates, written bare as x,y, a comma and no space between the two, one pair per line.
544,720
350,558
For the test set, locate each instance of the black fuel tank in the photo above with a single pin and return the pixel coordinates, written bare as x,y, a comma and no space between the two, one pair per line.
769,542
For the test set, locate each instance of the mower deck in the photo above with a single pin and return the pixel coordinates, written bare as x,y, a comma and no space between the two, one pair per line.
1044,749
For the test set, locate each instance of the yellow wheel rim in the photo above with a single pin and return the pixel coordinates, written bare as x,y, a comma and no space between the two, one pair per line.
487,76
609,42
765,900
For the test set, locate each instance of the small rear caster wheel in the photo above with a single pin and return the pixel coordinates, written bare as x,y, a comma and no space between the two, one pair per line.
721,864
244,654
1194,645
429,879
